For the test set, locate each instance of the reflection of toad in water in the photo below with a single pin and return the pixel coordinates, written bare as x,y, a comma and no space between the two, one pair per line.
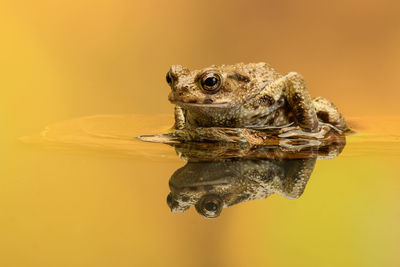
211,184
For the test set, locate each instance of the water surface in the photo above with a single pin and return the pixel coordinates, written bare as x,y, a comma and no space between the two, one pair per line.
87,193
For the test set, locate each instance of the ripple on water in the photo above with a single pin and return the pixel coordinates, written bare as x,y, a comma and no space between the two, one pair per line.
116,134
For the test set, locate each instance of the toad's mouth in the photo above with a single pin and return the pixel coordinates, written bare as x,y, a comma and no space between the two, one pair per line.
200,105
191,185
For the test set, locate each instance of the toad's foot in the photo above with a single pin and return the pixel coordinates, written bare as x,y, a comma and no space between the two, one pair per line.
296,132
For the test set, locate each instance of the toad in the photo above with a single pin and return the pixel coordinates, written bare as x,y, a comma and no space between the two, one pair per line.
250,95
211,186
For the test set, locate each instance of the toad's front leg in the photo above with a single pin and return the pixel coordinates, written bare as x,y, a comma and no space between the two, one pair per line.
300,102
180,119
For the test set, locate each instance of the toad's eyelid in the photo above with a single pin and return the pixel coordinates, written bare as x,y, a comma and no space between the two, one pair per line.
239,77
207,71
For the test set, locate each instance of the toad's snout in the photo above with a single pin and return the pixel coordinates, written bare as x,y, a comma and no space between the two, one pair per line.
176,71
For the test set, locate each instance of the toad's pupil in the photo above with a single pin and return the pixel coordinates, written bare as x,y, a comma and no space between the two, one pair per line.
210,81
168,77
210,206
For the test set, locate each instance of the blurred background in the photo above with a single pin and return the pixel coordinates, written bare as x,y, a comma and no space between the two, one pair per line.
66,59
62,59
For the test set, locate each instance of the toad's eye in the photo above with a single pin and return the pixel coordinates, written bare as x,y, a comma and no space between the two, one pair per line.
211,82
209,206
168,78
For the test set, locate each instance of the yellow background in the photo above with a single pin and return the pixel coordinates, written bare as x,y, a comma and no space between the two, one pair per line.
65,59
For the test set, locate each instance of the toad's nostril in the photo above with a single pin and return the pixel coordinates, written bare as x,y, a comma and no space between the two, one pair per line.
185,87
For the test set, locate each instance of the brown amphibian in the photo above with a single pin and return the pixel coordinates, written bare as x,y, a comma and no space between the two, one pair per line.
250,95
218,176
211,186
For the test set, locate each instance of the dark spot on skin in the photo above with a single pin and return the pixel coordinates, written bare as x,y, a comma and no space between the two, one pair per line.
323,149
185,198
289,115
305,119
255,116
296,98
239,77
271,121
268,100
231,122
299,110
208,101
323,116
208,187
196,122
192,101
